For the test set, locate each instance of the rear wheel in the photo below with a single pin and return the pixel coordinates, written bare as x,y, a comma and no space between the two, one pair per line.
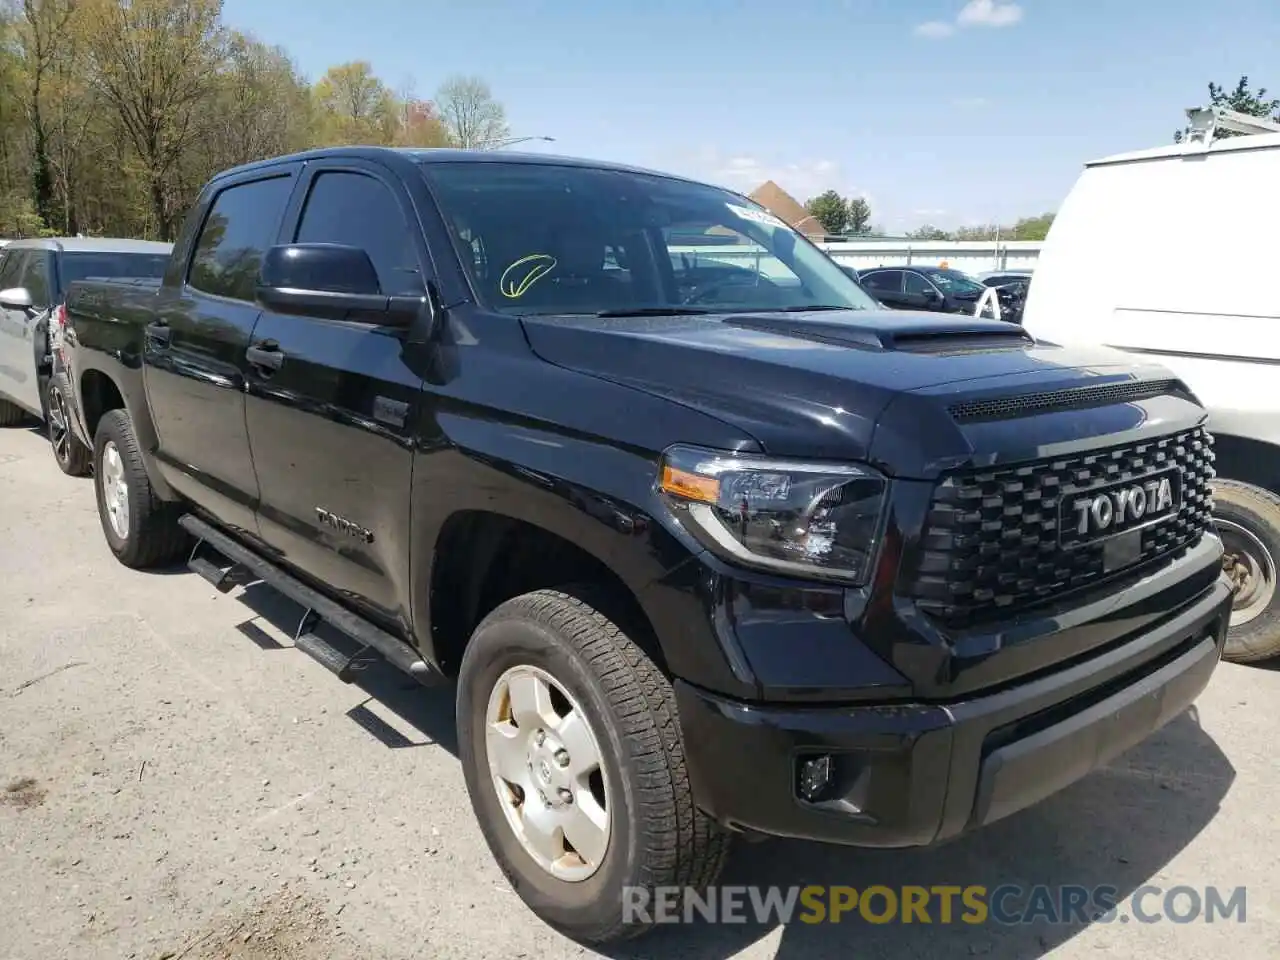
141,530
574,761
1248,520
72,456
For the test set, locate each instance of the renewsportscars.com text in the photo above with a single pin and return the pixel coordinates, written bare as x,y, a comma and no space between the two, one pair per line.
1008,905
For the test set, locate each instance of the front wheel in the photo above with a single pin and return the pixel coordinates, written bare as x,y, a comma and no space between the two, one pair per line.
1248,520
574,762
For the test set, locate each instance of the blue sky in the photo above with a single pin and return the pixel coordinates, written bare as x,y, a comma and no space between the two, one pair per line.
941,111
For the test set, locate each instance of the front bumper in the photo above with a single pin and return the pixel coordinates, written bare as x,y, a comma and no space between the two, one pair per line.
917,773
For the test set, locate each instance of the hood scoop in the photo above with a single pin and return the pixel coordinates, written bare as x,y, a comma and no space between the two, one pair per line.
885,332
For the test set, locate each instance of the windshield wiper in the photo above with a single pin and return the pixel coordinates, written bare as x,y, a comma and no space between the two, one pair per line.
654,312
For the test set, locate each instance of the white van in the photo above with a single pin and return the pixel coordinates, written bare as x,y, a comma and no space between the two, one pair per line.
1173,253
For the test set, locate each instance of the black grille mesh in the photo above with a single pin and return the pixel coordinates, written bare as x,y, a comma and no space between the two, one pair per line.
1069,399
991,545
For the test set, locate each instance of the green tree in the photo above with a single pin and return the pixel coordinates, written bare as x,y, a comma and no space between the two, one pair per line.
859,219
928,232
831,210
1031,228
354,106
1241,99
156,65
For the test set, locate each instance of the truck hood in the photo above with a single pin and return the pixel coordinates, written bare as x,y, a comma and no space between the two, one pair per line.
816,384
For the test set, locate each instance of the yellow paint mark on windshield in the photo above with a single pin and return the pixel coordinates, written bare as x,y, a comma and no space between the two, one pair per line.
524,273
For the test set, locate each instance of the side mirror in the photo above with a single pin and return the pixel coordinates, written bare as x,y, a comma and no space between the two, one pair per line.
931,294
331,280
16,298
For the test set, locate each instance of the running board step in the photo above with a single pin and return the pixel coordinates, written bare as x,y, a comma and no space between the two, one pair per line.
319,608
224,578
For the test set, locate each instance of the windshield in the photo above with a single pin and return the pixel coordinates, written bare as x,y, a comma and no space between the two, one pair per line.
954,282
106,264
558,239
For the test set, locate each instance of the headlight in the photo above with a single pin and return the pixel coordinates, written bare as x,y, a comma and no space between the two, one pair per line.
813,520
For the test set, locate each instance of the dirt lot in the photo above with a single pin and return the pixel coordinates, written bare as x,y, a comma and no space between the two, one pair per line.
176,783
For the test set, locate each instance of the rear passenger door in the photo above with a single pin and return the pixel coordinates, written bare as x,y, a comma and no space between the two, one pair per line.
331,425
194,348
885,286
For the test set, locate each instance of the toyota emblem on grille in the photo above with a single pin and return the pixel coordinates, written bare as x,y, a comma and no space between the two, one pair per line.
1125,506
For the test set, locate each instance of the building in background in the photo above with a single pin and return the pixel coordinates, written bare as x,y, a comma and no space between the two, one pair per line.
788,209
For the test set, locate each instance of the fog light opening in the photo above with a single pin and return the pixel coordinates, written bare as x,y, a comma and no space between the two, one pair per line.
816,777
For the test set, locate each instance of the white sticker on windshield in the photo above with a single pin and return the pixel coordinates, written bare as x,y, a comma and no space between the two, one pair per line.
758,216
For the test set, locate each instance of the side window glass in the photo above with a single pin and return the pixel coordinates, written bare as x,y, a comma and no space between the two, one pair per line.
361,211
238,230
35,277
915,283
887,281
11,269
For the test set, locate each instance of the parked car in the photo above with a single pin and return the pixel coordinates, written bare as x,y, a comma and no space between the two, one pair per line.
1000,278
703,557
34,278
923,288
1220,339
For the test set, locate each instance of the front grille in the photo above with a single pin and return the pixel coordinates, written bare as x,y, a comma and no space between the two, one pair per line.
992,547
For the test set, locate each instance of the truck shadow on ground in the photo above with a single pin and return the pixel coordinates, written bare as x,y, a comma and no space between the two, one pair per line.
1116,829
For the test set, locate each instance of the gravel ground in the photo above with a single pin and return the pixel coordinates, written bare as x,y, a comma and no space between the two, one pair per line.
176,783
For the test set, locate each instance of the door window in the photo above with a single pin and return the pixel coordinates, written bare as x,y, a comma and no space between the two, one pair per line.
917,284
884,281
241,225
11,268
361,211
35,277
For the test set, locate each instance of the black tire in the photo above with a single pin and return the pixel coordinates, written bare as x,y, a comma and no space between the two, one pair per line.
151,535
11,415
658,837
73,457
1248,519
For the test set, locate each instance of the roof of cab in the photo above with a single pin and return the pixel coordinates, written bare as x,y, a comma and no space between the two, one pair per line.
1257,141
434,155
91,245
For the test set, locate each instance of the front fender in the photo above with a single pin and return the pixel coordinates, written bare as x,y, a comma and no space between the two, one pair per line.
599,497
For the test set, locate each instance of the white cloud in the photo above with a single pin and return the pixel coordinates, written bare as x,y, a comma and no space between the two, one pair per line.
989,13
975,13
935,30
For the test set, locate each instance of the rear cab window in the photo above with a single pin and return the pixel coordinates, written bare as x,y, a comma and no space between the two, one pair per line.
241,225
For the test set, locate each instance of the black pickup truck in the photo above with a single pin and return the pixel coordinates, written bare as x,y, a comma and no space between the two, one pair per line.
710,549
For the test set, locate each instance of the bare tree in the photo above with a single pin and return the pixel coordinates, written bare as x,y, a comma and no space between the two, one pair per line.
470,113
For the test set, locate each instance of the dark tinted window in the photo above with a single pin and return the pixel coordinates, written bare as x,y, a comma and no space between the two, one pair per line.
104,264
916,284
357,210
11,268
35,276
886,281
239,229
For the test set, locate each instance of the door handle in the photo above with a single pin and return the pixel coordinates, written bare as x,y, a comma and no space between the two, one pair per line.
159,332
266,356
